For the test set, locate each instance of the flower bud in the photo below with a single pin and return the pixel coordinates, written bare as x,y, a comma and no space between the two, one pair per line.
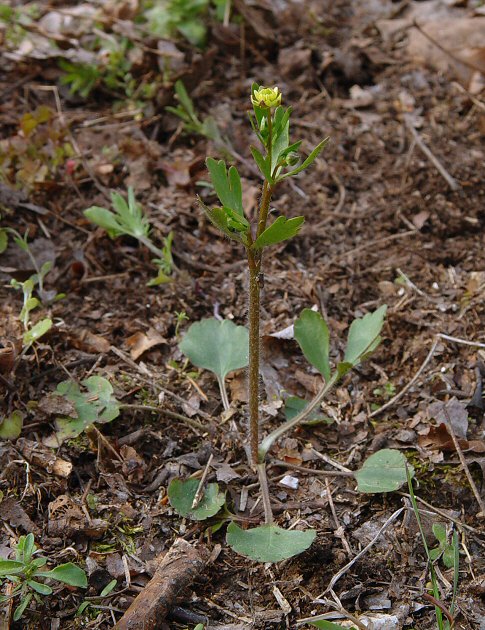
292,159
266,97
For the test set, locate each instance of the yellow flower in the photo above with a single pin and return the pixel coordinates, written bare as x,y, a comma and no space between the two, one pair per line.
266,97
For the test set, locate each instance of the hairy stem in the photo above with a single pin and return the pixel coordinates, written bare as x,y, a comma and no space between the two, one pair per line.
153,248
253,378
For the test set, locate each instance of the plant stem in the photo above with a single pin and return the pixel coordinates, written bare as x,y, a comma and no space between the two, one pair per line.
263,484
153,248
224,397
281,430
253,374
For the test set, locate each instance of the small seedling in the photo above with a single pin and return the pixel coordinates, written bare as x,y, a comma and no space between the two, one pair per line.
128,220
192,123
26,571
453,556
445,549
96,404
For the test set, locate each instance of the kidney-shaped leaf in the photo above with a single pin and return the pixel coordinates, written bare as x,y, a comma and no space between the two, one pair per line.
181,495
281,230
364,336
311,332
218,346
384,471
268,543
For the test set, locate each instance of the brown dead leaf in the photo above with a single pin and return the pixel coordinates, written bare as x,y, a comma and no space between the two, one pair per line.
133,465
54,405
141,342
440,439
66,519
89,342
39,455
13,513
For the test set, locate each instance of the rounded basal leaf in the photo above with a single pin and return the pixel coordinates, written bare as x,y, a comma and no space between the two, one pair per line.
181,496
311,332
11,426
268,543
385,471
218,346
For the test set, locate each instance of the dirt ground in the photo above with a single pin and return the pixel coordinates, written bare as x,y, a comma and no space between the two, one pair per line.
383,225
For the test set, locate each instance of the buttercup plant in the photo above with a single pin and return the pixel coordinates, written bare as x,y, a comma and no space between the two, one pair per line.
222,347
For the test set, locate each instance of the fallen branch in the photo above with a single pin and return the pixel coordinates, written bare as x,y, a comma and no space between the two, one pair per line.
177,570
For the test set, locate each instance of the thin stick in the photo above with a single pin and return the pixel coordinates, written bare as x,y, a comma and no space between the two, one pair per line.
263,483
311,471
344,569
407,387
339,529
200,489
464,465
451,181
463,342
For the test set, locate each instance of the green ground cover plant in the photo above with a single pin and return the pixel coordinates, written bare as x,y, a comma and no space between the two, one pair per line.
27,575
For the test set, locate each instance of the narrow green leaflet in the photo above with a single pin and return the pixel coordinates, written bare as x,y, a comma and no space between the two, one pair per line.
227,184
310,159
105,219
19,611
43,589
181,495
364,336
67,573
268,543
312,335
218,346
263,164
11,426
220,219
128,218
384,471
281,230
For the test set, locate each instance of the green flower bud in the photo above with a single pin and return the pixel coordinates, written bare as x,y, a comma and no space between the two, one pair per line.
292,159
266,97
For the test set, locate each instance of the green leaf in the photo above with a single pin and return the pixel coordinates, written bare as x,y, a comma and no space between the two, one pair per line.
11,426
28,548
311,158
263,164
97,404
439,531
43,589
181,495
268,543
19,611
218,346
11,567
449,557
384,471
184,98
37,331
3,241
108,588
67,573
105,219
295,405
364,336
220,219
226,184
312,335
281,230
